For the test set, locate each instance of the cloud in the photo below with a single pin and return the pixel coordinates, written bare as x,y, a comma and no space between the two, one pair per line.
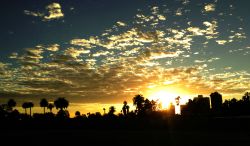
35,14
87,43
161,17
53,11
221,42
209,7
200,61
13,55
178,12
160,55
102,53
211,27
195,30
53,48
75,53
119,23
126,59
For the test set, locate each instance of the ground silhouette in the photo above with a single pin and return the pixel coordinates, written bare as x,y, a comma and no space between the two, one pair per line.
224,123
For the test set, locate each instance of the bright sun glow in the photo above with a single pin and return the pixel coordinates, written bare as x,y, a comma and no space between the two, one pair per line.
167,96
164,97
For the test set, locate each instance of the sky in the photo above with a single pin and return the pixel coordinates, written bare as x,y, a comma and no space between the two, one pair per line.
107,51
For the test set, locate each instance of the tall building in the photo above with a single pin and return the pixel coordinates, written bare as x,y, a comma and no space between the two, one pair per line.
202,104
216,101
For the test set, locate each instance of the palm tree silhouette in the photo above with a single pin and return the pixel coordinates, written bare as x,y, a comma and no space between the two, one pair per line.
61,103
124,108
25,106
177,100
30,105
111,110
50,106
11,103
104,111
44,103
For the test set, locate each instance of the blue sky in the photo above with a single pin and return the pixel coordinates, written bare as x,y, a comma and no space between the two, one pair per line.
109,50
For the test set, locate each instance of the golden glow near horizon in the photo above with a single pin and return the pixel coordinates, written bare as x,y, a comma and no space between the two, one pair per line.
167,96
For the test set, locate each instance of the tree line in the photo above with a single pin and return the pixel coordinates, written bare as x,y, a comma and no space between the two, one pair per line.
195,107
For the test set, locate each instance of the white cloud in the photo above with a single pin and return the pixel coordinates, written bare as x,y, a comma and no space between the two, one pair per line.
76,52
161,17
195,30
221,42
35,14
160,55
209,7
53,48
119,23
54,11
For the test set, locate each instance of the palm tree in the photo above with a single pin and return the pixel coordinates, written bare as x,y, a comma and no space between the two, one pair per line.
50,106
25,106
138,101
111,110
104,111
61,103
44,103
30,105
177,100
125,108
11,103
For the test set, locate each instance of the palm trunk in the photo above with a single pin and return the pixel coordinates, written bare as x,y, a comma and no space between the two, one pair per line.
30,111
25,111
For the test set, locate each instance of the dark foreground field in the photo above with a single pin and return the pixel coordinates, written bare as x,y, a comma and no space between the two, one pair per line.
126,137
233,132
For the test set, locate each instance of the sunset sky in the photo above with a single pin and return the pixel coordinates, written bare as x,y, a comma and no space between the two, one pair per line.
106,51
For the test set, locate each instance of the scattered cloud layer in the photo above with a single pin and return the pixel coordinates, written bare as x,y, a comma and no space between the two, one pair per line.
151,51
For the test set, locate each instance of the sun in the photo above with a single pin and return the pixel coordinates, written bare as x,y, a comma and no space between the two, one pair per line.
166,98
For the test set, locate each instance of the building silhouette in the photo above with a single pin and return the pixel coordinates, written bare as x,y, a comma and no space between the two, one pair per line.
216,102
198,106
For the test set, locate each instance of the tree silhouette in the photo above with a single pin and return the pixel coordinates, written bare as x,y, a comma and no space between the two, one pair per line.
61,103
246,103
147,105
111,110
77,114
246,97
125,108
50,106
138,101
177,100
25,106
104,111
11,104
155,105
30,105
44,103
